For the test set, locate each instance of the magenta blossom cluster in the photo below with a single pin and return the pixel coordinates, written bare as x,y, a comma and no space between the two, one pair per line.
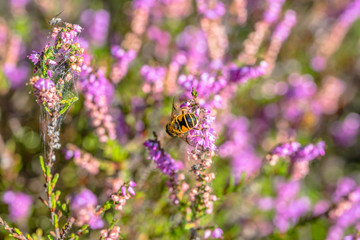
300,157
289,208
345,132
96,25
203,135
211,10
217,233
98,93
282,31
346,214
273,10
239,146
195,55
45,91
243,74
207,85
123,59
83,207
163,160
58,63
83,159
168,166
161,39
111,234
294,150
154,79
123,194
19,204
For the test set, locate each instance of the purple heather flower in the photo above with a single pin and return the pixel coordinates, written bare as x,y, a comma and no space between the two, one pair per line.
266,203
52,62
16,74
206,84
163,160
83,206
344,187
34,57
144,4
245,162
286,149
83,199
77,28
96,222
318,63
131,190
217,233
243,74
349,237
273,10
211,12
162,40
44,84
98,92
123,191
19,204
288,207
206,136
282,31
96,25
240,147
300,86
345,133
207,233
309,152
196,54
321,207
19,3
153,74
132,184
122,62
350,14
298,153
45,91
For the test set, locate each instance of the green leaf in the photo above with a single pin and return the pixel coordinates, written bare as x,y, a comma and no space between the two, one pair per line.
42,164
54,180
18,231
56,221
50,237
53,202
47,172
69,97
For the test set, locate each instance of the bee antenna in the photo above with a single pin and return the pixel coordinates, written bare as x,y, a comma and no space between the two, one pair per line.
59,14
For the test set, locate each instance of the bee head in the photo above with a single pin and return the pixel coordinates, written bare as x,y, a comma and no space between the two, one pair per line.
168,131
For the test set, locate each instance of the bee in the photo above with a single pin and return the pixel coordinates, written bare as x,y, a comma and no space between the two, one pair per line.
180,124
55,20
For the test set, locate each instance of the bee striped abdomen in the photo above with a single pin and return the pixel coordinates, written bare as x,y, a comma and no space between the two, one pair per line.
186,122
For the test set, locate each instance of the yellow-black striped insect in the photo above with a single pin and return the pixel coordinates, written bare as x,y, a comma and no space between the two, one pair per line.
181,123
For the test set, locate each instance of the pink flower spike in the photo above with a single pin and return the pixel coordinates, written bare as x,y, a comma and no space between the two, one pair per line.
123,191
34,57
132,184
131,191
77,28
52,62
207,233
217,233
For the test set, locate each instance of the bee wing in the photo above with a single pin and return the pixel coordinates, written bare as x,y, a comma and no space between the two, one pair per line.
174,109
58,14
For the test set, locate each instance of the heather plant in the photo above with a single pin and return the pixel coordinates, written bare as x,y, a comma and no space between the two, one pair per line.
179,119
